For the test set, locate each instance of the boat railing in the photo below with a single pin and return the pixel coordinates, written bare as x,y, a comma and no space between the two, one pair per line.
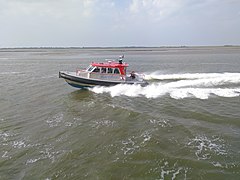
82,73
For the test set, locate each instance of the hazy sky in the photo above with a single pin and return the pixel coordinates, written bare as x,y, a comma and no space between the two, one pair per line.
26,23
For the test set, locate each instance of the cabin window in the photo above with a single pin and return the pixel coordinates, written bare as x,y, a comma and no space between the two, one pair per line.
90,68
116,71
110,70
97,69
103,70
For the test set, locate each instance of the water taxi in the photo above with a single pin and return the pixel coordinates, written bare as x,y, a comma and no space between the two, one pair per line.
107,73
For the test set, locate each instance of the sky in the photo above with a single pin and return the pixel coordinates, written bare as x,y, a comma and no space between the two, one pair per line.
91,23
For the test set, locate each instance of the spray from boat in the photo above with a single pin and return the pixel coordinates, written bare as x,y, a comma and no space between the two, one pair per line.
179,86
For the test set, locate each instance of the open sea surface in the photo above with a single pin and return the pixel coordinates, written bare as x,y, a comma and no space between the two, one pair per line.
184,125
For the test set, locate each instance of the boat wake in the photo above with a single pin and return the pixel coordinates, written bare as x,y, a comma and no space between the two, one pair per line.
179,86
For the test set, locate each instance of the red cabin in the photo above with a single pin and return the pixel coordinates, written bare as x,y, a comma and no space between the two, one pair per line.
109,67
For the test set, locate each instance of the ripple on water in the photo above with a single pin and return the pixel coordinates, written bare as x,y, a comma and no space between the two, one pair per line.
6,155
47,152
162,123
55,120
103,123
166,170
5,136
19,144
135,143
205,147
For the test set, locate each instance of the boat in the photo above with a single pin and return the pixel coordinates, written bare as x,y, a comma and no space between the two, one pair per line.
108,73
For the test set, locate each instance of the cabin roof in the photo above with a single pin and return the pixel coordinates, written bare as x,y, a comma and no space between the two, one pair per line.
109,64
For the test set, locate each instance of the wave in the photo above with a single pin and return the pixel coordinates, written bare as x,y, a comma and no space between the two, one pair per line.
201,86
9,73
205,147
157,76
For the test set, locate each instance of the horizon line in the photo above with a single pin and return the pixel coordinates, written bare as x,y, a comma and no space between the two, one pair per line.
108,47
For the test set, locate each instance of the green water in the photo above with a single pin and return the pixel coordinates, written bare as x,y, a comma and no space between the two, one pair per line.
184,125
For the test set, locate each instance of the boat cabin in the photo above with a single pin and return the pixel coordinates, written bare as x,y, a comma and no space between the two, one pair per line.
110,67
110,70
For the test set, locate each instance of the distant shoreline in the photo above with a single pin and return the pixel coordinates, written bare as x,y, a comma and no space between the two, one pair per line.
136,48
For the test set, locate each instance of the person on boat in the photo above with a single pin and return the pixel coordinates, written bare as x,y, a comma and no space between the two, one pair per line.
132,75
120,60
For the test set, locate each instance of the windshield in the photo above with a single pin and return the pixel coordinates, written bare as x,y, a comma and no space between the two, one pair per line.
90,68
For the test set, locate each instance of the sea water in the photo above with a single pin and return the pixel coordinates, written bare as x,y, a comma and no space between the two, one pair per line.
184,125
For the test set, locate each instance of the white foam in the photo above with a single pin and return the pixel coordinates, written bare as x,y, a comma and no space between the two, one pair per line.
5,155
157,76
103,123
9,73
135,143
205,147
55,120
199,86
30,161
154,91
19,144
